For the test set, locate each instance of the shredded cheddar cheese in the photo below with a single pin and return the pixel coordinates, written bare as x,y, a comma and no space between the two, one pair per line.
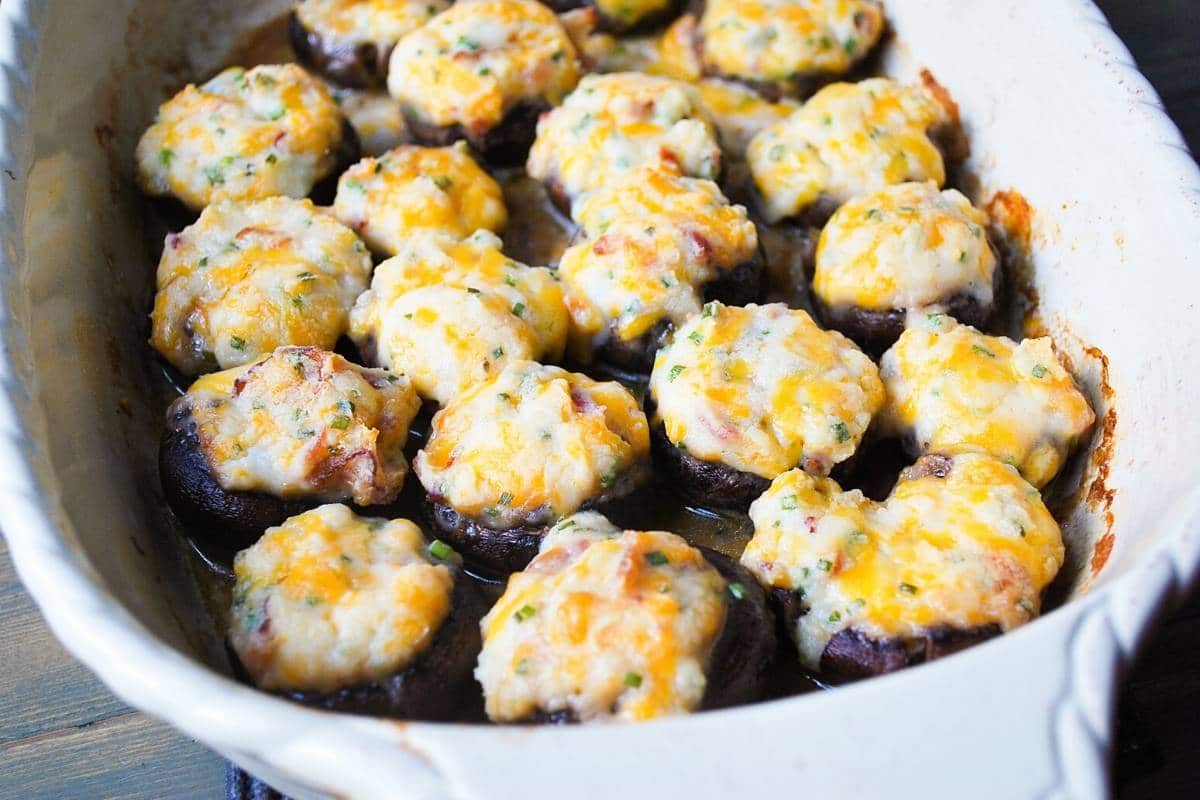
605,624
453,313
849,139
476,61
304,422
244,135
348,24
762,389
246,278
908,246
972,547
330,599
415,188
533,444
952,389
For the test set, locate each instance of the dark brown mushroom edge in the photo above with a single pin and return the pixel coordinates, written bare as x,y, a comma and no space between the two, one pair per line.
777,54
868,276
484,72
510,457
246,448
810,163
623,16
960,551
743,394
351,43
626,654
215,142
357,614
653,244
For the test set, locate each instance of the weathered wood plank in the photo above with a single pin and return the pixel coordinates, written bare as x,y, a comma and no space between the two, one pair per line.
41,687
128,756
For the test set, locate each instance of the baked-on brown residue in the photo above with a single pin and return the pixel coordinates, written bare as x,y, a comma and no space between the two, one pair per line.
1011,229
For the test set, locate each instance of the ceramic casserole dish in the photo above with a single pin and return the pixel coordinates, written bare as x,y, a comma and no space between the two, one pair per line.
1053,106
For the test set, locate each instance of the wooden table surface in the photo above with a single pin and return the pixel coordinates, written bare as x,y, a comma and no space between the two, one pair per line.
62,735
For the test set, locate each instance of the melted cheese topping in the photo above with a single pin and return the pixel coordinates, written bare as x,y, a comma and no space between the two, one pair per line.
974,548
849,139
246,278
385,199
376,118
476,61
304,422
777,40
532,444
352,23
453,313
653,240
906,246
613,123
605,624
763,389
329,599
740,113
956,390
244,135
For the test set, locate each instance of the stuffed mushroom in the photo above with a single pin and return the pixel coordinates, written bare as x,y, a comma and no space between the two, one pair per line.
909,247
413,188
248,277
350,41
655,246
508,458
617,122
961,551
245,135
952,389
483,70
356,614
451,313
742,395
785,47
851,139
629,625
247,447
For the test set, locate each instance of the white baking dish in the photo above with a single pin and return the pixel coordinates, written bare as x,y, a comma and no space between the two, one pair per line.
1053,106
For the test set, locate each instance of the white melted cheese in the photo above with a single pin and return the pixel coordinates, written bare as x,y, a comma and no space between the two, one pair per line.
778,40
415,188
349,24
847,140
970,549
330,599
304,422
476,61
244,135
532,444
952,389
762,389
246,278
605,624
453,313
908,246
616,122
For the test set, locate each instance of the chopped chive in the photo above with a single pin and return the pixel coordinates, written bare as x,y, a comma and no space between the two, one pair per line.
505,498
277,114
272,158
237,343
824,565
340,422
709,309
695,338
633,680
675,372
165,155
499,351
440,550
442,181
524,613
1039,371
518,309
312,600
522,667
841,432
983,351
788,503
737,590
656,558
908,588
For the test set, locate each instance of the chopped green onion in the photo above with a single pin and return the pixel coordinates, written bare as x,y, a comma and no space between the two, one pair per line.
824,565
440,550
524,613
737,590
656,558
633,680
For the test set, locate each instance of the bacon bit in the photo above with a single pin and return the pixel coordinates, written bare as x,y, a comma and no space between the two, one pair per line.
722,430
810,522
702,244
173,240
669,158
604,245
816,465
582,403
555,561
278,138
275,238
